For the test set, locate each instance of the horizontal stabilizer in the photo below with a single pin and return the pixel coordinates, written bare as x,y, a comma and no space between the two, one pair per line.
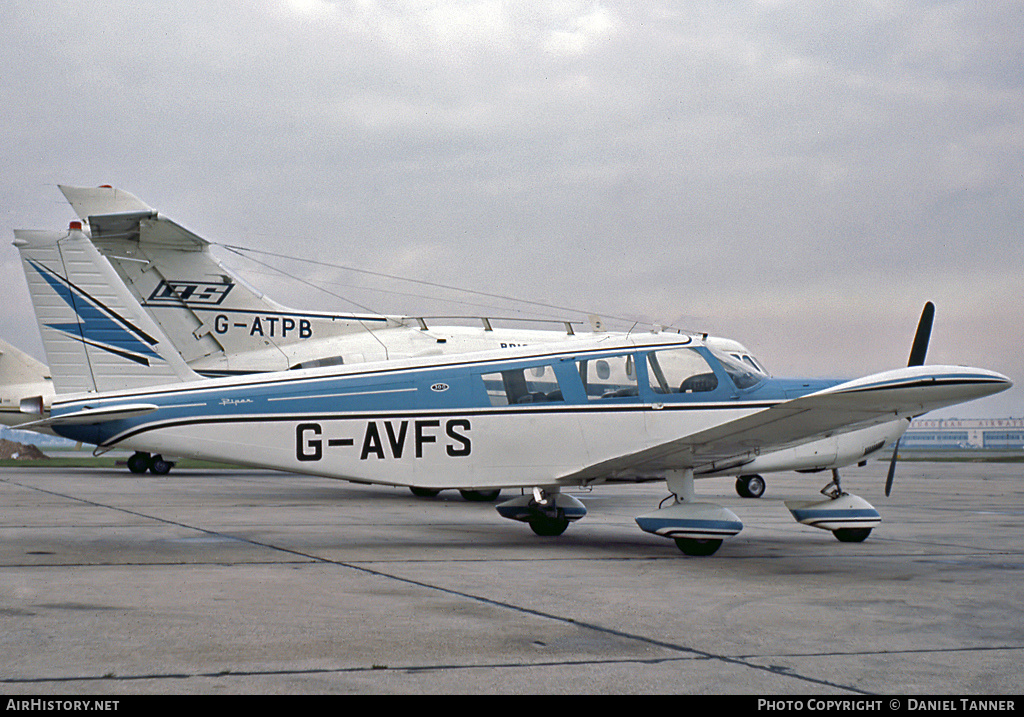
88,201
90,416
146,228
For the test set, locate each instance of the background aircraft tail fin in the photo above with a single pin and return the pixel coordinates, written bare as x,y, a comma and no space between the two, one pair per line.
24,382
210,314
96,336
18,367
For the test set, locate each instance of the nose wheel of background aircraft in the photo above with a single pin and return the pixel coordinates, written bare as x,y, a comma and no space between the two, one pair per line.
751,486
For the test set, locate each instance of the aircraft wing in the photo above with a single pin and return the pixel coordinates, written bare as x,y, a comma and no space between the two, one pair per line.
849,406
116,214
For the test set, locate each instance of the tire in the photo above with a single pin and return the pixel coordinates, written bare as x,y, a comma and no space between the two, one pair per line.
549,527
480,496
138,462
752,486
425,492
158,466
851,535
698,547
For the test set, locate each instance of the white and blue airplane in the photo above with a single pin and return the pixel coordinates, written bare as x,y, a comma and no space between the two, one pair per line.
542,418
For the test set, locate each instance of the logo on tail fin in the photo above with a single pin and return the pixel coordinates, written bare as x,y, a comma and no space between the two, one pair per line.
184,291
98,325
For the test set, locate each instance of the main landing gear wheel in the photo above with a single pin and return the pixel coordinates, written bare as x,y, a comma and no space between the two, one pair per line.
138,462
751,486
851,535
698,547
549,527
481,496
158,466
425,492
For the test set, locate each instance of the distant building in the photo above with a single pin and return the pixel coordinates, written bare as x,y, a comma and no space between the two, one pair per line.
936,434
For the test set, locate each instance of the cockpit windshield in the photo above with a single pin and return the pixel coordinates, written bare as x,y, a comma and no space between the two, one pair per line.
742,374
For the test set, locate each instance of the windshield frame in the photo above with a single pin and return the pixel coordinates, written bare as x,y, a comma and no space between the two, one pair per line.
742,374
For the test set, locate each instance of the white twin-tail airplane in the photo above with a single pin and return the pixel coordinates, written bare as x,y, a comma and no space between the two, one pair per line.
223,326
596,409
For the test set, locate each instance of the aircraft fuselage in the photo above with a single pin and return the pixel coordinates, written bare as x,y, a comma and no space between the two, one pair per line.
536,417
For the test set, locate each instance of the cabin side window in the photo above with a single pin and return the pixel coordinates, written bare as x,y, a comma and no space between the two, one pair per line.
537,384
680,371
608,377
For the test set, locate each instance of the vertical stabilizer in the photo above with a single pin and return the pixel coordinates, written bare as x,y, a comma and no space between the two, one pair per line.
215,320
96,336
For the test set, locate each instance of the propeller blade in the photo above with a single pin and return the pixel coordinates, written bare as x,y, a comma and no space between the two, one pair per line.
892,469
917,354
921,338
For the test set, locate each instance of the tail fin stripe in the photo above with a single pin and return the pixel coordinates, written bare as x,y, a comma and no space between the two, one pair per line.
56,281
100,326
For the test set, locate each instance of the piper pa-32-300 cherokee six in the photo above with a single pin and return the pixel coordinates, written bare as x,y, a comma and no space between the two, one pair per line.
218,323
546,417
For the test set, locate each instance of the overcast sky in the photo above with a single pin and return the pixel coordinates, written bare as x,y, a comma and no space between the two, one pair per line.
799,176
